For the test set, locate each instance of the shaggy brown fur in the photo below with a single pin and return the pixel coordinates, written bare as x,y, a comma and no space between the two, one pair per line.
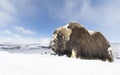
82,42
84,45
103,44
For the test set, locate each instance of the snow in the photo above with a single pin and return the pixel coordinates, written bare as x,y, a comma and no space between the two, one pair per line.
35,64
116,50
91,32
20,63
26,49
66,26
110,49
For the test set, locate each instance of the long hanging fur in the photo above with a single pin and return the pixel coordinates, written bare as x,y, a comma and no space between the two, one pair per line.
76,40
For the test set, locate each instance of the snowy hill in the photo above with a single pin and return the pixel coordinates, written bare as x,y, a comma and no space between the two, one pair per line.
116,50
33,59
38,49
26,49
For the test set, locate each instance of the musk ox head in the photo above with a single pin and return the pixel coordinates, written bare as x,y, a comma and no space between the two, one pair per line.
74,40
59,40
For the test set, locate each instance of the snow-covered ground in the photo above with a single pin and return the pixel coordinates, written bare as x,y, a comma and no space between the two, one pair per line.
35,60
116,50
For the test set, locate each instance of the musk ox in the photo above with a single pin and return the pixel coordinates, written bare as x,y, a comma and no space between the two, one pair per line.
75,41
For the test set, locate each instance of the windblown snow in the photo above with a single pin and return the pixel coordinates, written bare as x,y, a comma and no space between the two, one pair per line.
91,32
38,60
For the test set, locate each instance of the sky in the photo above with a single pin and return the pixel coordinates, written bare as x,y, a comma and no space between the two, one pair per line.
34,21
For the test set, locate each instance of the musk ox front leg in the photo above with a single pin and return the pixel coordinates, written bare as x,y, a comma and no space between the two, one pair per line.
73,53
110,58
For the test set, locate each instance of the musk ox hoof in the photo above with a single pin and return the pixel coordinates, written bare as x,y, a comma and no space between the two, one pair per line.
75,41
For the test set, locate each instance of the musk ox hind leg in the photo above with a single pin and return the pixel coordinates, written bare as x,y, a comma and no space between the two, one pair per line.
110,55
107,56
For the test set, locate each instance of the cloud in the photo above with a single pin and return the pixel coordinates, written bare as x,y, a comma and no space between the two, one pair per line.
7,32
44,41
7,6
15,40
24,31
17,35
105,12
102,14
11,11
6,12
99,15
